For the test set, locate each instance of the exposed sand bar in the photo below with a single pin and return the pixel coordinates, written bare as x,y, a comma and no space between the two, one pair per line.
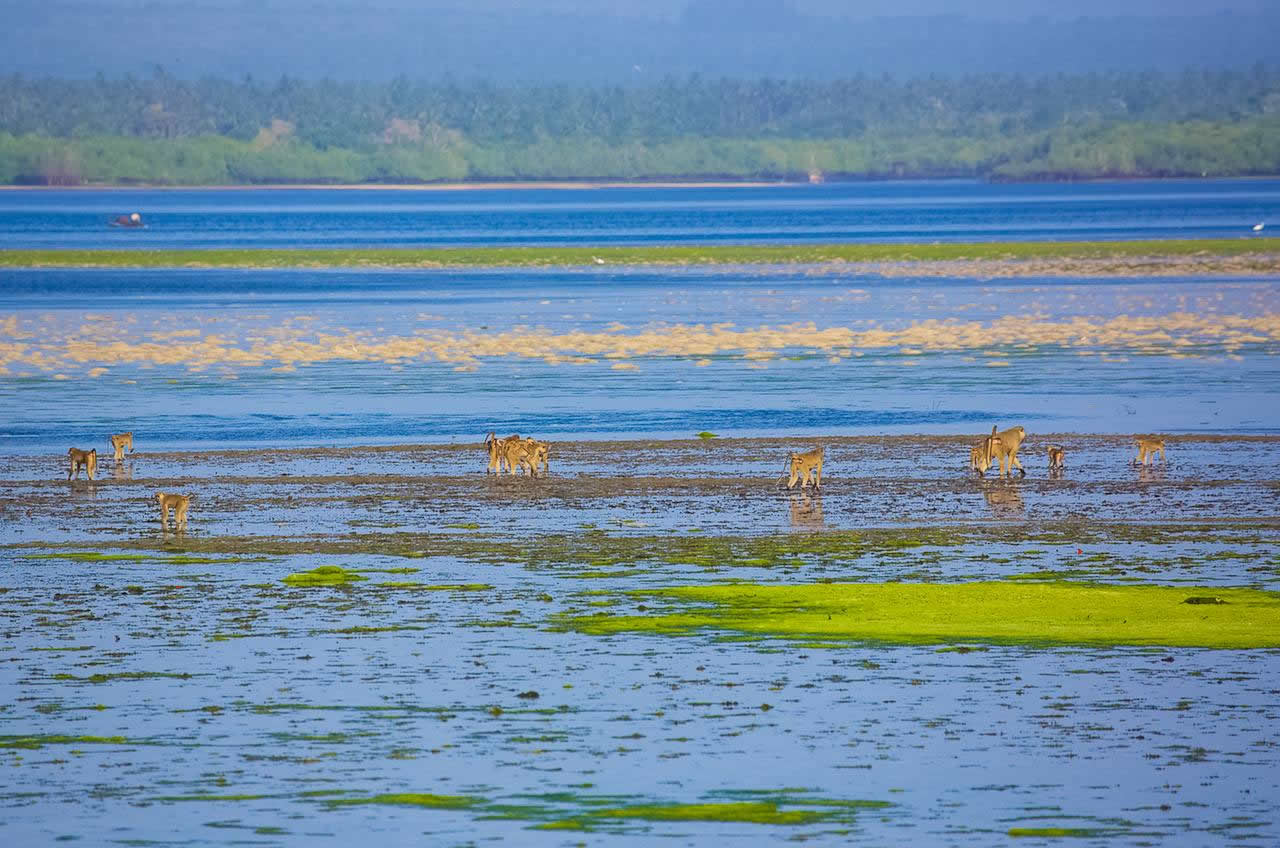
1169,257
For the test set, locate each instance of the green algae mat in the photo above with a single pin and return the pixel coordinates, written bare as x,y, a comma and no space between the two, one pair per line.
931,613
645,254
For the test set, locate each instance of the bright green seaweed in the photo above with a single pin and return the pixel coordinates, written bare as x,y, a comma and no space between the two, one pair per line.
925,613
325,575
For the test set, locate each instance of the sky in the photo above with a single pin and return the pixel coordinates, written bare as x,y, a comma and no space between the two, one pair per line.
629,41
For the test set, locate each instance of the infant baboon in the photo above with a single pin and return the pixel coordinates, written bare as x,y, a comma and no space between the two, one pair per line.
121,441
88,460
1057,458
807,465
179,505
1147,449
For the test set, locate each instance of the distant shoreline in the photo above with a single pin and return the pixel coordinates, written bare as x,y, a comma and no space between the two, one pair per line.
593,185
524,185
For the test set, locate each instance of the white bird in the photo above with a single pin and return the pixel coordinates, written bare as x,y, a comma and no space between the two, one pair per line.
599,261
1257,228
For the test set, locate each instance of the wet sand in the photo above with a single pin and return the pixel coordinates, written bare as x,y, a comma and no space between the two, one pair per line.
716,485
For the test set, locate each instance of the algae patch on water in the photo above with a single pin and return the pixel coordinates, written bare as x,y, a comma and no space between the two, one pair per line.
926,613
412,799
32,743
738,807
325,575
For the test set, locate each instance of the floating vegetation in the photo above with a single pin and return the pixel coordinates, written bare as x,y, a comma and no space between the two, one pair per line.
91,556
99,556
436,587
325,575
572,811
359,630
39,741
123,675
412,799
925,613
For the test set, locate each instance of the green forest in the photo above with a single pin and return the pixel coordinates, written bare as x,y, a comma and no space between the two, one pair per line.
168,131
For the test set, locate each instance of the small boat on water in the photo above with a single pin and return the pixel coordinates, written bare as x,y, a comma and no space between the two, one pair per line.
133,219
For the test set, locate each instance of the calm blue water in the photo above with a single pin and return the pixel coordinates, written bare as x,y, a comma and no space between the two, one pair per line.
881,212
555,351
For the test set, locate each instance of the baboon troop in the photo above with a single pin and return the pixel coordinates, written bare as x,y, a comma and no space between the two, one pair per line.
515,453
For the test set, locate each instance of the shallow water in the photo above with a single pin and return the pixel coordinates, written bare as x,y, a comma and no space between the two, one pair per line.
244,707
173,689
905,211
259,359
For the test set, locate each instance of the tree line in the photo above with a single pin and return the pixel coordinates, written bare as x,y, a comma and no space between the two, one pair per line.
172,131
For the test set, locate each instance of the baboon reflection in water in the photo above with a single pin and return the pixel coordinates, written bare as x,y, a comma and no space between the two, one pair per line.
806,510
1005,500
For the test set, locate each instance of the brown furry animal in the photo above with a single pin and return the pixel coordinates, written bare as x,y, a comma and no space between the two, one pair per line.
179,504
88,460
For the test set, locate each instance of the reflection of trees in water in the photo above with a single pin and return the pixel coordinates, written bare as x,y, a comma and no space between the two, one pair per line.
1004,499
806,510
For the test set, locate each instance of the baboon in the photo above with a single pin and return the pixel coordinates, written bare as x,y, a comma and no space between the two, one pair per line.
807,465
1147,449
1007,449
119,442
179,505
88,460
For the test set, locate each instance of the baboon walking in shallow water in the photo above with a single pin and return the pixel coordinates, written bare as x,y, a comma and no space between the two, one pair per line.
1006,449
119,442
807,468
88,460
496,448
179,505
1057,458
1148,448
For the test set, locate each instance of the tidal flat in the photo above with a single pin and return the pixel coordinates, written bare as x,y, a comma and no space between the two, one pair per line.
653,643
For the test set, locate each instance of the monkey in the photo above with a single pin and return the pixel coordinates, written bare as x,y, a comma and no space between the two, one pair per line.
539,454
981,454
1057,458
1007,449
121,441
1147,449
495,447
807,465
88,460
179,505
